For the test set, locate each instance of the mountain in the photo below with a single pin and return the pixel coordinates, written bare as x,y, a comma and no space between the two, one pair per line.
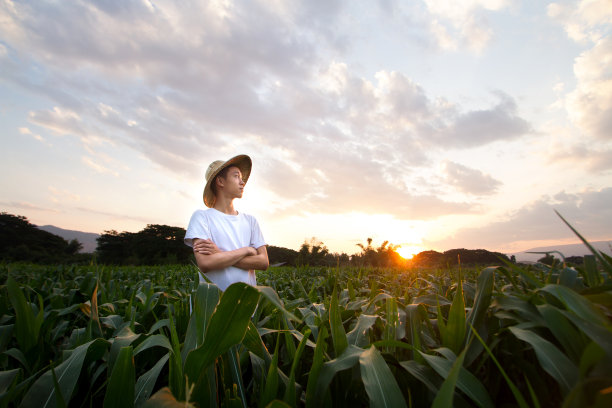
578,249
88,239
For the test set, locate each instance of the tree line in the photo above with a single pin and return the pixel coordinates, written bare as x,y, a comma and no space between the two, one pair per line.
162,244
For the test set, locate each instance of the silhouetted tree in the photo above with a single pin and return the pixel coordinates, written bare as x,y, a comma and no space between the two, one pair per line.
154,245
314,253
280,255
22,241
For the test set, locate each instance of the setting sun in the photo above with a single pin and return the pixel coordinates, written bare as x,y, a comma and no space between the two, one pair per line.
408,251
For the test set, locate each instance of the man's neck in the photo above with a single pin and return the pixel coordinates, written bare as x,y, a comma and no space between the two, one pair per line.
225,206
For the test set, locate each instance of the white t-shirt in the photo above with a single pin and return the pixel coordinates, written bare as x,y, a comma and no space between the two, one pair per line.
228,232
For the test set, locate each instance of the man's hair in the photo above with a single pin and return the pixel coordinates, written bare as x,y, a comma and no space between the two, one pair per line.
223,174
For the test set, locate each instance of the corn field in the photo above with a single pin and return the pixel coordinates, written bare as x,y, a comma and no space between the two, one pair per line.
505,335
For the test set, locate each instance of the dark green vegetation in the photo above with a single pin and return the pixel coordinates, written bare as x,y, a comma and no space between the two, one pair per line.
22,241
124,336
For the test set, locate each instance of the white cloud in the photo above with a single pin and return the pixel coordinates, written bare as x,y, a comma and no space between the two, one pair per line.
462,23
586,20
99,168
590,104
469,180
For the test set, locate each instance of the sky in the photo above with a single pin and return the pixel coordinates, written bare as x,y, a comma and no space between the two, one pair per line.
430,124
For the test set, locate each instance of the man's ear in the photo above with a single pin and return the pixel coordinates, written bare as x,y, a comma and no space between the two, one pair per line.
219,180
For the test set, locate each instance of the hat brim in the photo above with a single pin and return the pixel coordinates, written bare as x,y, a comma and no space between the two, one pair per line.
242,161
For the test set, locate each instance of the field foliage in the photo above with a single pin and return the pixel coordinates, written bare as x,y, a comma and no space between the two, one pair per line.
502,335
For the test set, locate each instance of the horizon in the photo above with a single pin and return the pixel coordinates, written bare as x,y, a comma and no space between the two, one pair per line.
374,245
428,124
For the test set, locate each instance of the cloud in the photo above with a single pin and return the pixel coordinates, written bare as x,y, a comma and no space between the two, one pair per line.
202,80
583,156
480,127
462,23
589,105
585,20
62,195
469,180
589,212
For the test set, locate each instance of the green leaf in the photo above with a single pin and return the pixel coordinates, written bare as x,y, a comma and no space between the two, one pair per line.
335,322
7,378
42,393
591,274
315,368
359,335
466,381
444,397
290,394
562,329
146,382
206,300
601,335
125,338
27,325
379,383
227,327
156,340
576,304
120,388
482,299
455,326
515,391
347,360
271,385
551,359
234,365
273,298
424,374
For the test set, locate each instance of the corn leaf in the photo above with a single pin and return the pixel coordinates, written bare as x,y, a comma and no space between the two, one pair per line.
146,382
466,381
576,304
227,327
551,359
120,389
444,397
290,393
379,383
42,393
335,322
315,368
27,325
206,300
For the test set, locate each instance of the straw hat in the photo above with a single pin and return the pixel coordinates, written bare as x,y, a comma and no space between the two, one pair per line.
243,162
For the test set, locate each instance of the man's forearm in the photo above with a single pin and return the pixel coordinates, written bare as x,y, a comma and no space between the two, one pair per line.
259,262
220,260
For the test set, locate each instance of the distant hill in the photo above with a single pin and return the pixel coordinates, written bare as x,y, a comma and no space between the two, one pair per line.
88,239
578,249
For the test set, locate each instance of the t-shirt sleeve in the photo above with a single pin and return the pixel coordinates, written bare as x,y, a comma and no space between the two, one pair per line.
197,228
257,239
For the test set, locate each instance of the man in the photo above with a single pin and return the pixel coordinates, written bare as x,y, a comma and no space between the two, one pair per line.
228,245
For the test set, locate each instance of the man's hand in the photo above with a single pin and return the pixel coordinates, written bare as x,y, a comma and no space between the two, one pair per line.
205,247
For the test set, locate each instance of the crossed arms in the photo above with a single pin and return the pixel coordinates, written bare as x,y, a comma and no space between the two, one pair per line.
209,257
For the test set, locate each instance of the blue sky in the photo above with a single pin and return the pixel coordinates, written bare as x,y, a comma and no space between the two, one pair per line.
433,124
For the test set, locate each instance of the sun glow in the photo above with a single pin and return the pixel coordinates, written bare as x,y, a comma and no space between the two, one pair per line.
408,251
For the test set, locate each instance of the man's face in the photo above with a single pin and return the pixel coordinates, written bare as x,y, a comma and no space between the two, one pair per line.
232,183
